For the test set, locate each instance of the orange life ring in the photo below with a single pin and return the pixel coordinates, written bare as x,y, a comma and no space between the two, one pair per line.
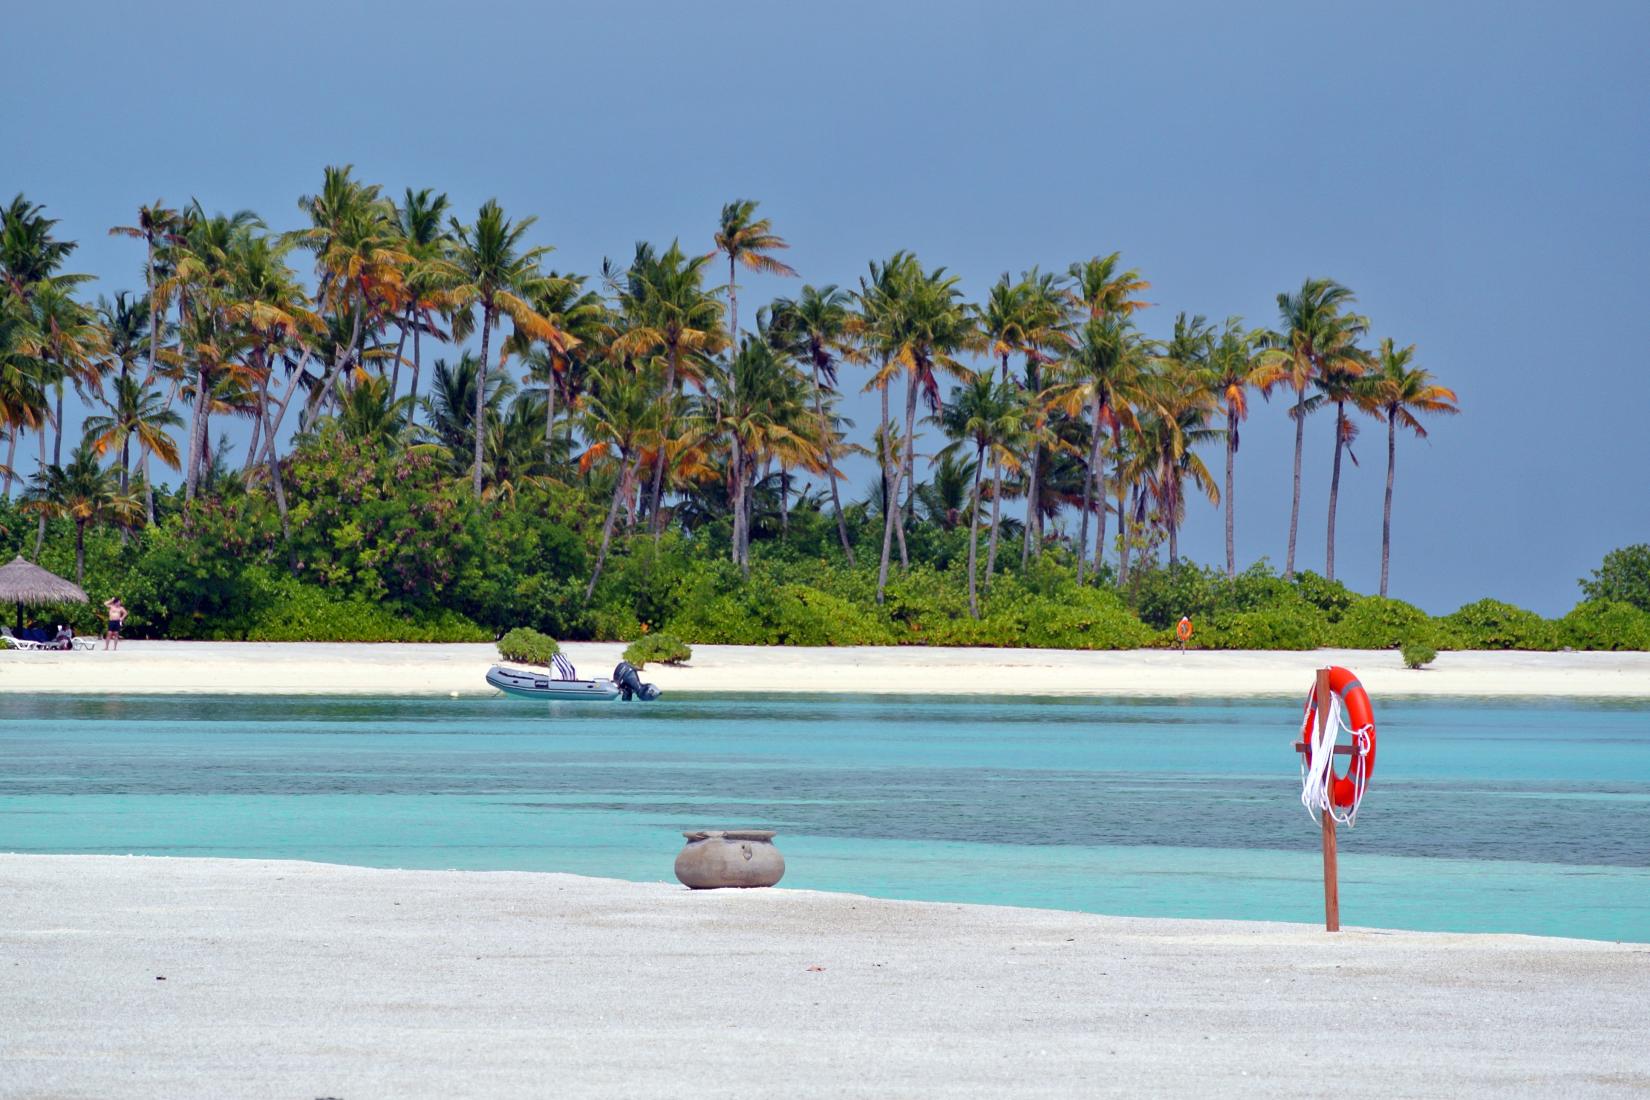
1183,630
1360,716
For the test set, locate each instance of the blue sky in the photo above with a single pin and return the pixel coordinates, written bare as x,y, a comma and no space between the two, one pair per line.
1476,172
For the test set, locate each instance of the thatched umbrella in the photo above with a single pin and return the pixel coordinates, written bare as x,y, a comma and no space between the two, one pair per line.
23,582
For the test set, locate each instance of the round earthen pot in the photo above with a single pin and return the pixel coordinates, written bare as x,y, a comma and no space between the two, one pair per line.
731,857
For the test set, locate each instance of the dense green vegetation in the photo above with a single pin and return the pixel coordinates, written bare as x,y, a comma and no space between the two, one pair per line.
658,649
620,458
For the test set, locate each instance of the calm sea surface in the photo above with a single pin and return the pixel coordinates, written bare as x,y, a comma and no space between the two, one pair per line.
1504,816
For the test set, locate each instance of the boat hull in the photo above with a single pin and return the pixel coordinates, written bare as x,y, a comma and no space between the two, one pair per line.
536,685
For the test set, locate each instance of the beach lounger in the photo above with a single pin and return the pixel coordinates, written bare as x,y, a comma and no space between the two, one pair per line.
25,644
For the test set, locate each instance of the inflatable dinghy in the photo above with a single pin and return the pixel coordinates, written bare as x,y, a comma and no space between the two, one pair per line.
538,685
522,684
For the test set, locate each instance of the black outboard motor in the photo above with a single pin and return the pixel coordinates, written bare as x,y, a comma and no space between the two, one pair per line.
630,684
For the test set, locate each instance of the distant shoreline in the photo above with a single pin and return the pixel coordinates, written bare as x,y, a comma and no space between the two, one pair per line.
409,669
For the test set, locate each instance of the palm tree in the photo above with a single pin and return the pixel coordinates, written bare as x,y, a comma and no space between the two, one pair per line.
83,493
156,225
23,402
1101,290
372,412
29,253
1046,325
1108,368
426,241
932,325
202,261
1315,337
581,318
361,270
814,328
1401,390
1234,364
1340,387
620,418
1179,409
987,413
757,404
494,272
449,408
667,308
135,412
746,239
876,329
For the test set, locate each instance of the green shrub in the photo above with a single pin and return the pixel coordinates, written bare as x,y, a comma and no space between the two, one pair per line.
1417,652
526,646
1605,624
1375,622
1331,597
1624,577
657,649
1491,624
1274,628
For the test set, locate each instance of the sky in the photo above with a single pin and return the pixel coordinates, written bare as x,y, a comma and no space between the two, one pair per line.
1476,172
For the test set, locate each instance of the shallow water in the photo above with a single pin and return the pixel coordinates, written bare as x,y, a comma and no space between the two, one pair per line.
1515,816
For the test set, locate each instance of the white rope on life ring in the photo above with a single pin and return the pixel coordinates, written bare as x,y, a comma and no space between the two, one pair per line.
1317,775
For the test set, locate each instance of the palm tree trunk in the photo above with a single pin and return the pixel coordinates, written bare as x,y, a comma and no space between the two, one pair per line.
1100,496
80,553
11,457
909,469
887,449
549,415
57,428
258,421
664,438
891,512
197,425
154,357
279,490
1031,506
974,532
1122,523
607,528
1334,492
412,405
1090,478
481,401
274,428
1231,459
1295,504
784,501
148,488
733,312
736,491
325,388
827,436
1386,509
400,346
996,497
40,528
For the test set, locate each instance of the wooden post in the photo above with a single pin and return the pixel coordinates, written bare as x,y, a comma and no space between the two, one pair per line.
1331,877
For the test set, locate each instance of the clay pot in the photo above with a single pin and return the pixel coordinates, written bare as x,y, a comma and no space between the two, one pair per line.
734,857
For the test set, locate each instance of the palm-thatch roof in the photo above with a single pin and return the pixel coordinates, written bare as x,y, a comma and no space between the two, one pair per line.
24,583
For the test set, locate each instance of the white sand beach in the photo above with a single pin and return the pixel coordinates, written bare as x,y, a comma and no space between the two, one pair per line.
397,669
141,977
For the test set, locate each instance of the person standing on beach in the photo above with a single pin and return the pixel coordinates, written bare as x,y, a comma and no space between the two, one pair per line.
117,619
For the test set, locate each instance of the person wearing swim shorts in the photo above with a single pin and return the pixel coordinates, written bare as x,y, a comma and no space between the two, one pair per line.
117,619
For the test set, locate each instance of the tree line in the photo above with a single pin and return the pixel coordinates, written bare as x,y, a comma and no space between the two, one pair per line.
1044,403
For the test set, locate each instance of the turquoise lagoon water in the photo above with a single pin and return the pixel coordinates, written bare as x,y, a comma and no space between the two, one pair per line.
1512,816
